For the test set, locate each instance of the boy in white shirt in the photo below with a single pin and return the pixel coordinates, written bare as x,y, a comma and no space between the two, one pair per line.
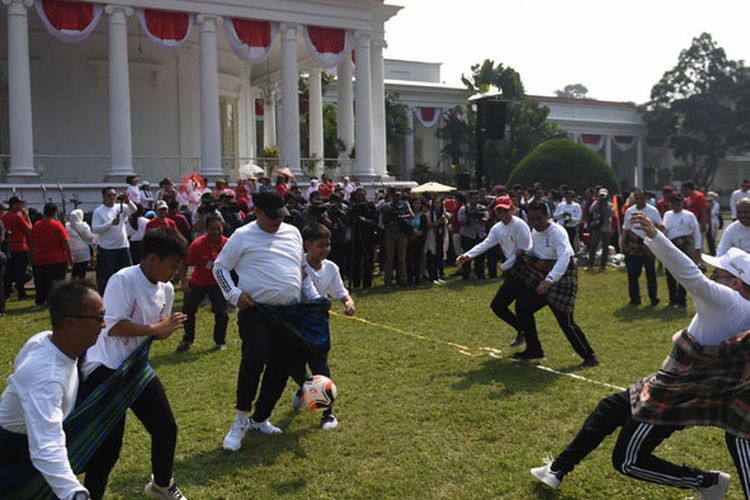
326,277
138,300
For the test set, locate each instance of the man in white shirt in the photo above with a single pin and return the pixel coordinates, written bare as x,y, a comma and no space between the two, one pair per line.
472,219
550,275
511,234
267,256
41,393
637,256
134,194
568,214
682,229
737,195
737,234
109,224
722,313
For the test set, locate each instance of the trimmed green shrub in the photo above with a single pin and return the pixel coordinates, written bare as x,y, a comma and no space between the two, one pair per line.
562,161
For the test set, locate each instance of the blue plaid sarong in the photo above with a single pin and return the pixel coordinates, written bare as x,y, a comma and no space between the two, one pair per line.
85,429
306,323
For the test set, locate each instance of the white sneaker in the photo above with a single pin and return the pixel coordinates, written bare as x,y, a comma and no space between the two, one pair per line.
329,422
171,492
717,491
297,403
264,427
547,476
233,439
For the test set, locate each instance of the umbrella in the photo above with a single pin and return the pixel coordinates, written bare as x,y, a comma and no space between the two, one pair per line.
433,187
285,171
250,170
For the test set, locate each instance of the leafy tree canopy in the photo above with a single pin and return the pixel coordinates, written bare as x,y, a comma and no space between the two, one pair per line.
699,106
562,161
573,91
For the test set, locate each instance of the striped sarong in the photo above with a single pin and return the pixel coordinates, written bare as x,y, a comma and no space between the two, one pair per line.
85,428
306,323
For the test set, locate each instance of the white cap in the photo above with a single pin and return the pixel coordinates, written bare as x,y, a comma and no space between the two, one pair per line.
161,204
735,262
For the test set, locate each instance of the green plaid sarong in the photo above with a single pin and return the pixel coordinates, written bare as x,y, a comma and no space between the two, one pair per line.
85,428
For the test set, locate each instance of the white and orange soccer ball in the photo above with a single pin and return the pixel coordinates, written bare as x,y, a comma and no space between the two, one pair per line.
318,393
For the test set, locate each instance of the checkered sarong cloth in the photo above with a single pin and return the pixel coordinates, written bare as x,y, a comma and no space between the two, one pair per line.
637,247
684,243
698,385
562,294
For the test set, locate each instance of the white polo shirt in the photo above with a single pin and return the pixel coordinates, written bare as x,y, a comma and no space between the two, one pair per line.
735,235
327,279
649,211
511,237
682,223
108,236
553,244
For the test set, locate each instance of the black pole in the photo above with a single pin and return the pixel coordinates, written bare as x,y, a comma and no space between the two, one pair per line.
479,167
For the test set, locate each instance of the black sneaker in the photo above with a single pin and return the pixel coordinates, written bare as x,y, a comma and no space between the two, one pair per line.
527,354
519,340
654,302
183,346
590,362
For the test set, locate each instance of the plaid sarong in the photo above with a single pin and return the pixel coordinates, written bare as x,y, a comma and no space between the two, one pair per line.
85,428
698,385
562,294
306,323
637,247
685,244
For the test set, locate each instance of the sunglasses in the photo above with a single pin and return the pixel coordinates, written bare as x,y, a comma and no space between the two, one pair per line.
720,276
99,317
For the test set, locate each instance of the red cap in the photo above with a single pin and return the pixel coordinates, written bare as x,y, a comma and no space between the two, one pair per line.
503,202
667,187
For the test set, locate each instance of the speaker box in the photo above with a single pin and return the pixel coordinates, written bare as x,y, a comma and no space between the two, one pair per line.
463,181
491,119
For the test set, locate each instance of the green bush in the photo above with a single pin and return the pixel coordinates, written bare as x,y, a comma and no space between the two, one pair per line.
562,161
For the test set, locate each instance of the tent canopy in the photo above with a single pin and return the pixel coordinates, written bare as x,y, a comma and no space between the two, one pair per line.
433,187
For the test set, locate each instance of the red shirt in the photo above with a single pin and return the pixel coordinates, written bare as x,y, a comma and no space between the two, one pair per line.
282,189
697,203
16,225
202,255
155,223
48,237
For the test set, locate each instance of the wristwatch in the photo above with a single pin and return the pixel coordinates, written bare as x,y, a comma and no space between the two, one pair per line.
80,495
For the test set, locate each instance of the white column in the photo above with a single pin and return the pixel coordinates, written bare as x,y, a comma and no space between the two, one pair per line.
269,118
378,108
19,91
246,116
316,119
608,149
290,154
409,145
120,133
639,160
363,93
345,111
209,69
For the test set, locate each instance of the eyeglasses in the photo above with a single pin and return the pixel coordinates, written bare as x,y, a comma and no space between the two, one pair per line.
720,276
99,317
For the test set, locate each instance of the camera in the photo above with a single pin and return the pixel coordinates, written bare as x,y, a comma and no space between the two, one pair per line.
122,197
476,211
207,208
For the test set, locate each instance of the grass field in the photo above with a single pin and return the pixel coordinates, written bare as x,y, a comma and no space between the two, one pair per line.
425,410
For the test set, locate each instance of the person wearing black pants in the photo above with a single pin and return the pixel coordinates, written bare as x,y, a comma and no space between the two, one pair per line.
634,264
154,412
362,221
510,234
15,272
44,277
190,304
637,256
472,218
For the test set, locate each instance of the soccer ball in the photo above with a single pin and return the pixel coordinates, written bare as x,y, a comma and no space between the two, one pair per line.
318,393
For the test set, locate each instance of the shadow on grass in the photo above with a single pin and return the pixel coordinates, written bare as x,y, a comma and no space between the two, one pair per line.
20,311
514,376
178,358
635,313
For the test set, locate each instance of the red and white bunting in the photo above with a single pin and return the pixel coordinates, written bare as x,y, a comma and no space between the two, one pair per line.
428,117
165,27
623,142
250,39
593,141
327,46
69,22
655,142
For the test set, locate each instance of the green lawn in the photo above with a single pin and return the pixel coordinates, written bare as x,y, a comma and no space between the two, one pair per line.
429,405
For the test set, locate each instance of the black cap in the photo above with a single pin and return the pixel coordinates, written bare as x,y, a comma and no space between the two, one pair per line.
270,203
676,197
13,200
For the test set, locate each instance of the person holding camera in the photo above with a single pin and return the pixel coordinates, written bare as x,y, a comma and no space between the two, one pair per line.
316,211
396,216
208,206
108,222
569,214
362,219
472,218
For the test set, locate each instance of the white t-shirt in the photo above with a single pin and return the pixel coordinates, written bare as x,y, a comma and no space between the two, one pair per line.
327,279
129,296
552,244
511,237
737,195
721,312
572,210
134,194
649,211
735,235
137,234
269,265
41,392
108,236
682,223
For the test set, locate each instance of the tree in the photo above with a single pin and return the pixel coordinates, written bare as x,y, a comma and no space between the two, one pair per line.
396,118
573,91
562,161
698,106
